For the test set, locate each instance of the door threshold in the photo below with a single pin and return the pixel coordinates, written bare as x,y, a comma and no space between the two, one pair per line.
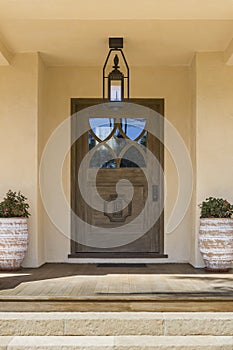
102,255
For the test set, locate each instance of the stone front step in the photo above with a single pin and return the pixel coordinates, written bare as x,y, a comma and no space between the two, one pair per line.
116,343
116,324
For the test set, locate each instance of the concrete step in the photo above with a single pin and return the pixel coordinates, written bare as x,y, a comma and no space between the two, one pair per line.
116,324
116,343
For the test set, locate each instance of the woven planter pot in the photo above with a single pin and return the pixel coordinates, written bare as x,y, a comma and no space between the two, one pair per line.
216,243
13,242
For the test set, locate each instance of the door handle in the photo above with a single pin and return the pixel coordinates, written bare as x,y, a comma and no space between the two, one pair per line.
155,193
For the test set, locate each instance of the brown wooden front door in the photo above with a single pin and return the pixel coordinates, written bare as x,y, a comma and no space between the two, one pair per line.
113,158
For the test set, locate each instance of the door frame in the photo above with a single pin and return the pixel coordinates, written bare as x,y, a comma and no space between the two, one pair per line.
156,104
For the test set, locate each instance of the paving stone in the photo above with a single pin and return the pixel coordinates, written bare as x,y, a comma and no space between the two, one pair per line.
30,325
199,324
173,343
118,343
125,323
115,324
4,341
61,343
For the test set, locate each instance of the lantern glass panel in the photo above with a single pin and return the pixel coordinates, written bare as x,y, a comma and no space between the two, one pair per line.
115,90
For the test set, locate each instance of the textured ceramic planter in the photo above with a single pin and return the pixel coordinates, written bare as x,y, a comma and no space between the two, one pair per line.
216,243
13,242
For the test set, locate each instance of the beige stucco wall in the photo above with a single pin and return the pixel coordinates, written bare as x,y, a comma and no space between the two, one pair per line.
42,112
194,210
214,129
170,83
18,137
214,126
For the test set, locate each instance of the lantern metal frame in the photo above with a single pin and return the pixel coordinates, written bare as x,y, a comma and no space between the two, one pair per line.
115,45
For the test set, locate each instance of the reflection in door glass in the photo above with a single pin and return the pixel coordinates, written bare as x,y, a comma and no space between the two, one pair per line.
143,141
92,142
102,127
102,158
111,164
117,142
132,159
133,127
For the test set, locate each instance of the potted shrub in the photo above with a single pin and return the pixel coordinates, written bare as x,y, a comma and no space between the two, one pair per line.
216,234
13,230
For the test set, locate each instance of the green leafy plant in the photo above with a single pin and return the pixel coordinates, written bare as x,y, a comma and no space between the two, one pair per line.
14,205
216,208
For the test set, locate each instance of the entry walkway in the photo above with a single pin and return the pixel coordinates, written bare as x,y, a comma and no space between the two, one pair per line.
87,287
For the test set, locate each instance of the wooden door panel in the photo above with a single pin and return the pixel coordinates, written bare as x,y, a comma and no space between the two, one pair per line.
105,181
120,216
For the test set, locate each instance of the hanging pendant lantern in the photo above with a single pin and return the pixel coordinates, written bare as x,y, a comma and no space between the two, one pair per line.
116,79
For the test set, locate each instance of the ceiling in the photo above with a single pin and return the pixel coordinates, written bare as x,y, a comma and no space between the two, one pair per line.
116,9
75,32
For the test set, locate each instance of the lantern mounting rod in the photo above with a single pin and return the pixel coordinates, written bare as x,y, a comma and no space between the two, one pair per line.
115,43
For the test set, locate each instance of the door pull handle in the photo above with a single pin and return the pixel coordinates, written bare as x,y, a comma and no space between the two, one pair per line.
155,193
